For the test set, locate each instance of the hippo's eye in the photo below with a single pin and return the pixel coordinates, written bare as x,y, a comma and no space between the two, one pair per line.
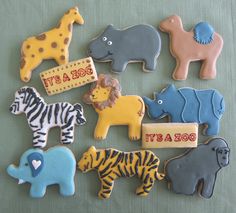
159,101
26,164
104,38
109,43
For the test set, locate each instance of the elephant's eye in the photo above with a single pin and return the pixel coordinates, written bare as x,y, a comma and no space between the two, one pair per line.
159,101
26,164
104,38
109,43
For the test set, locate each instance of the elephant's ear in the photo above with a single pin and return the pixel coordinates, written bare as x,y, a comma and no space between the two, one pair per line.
36,163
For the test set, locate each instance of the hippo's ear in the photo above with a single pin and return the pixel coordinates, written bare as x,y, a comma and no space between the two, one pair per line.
110,27
36,163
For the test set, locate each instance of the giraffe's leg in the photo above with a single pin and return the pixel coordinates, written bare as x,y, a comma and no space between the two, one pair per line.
28,63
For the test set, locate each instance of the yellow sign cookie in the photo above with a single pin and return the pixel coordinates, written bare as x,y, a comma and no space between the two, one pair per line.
71,75
169,135
52,44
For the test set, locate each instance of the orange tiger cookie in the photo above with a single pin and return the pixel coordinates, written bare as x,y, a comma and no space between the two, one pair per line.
52,44
112,164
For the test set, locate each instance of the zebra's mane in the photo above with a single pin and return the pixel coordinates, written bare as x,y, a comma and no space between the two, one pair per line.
29,94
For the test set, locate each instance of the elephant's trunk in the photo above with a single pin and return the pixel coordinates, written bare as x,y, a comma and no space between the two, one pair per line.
147,101
15,173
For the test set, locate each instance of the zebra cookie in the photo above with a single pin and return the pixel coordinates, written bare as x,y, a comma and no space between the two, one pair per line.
42,116
112,164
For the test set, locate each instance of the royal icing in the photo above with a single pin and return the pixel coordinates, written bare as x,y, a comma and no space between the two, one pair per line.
42,116
188,105
113,108
190,46
139,43
71,75
112,164
41,169
196,170
52,44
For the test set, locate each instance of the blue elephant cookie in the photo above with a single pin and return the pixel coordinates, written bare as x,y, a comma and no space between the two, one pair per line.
196,170
55,166
187,105
139,43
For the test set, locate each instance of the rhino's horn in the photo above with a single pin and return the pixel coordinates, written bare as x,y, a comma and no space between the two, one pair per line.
147,101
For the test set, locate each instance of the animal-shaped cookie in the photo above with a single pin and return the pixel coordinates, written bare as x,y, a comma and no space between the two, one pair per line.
41,116
52,44
139,43
113,108
112,164
196,170
201,43
187,105
55,166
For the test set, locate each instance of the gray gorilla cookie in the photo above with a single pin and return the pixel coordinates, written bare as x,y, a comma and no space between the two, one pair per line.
196,170
139,43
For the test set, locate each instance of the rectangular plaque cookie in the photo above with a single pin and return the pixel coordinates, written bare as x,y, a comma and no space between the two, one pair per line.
68,76
169,135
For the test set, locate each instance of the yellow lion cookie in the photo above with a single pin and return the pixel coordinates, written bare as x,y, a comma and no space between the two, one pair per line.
112,164
113,108
52,44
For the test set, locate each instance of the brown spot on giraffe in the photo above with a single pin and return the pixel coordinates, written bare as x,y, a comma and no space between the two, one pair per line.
41,37
69,27
62,57
60,34
66,40
62,50
54,44
22,63
28,46
32,55
41,49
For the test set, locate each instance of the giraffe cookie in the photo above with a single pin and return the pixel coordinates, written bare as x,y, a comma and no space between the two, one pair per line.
52,44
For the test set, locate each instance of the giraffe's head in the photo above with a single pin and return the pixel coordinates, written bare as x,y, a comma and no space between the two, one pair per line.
74,15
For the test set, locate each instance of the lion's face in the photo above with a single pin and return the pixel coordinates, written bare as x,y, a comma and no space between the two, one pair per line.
85,163
100,94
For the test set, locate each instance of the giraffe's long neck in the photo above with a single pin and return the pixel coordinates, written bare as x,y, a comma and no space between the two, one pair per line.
66,25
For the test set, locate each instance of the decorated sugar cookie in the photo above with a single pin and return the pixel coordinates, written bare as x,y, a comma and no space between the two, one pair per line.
139,43
112,164
201,43
196,170
113,108
52,44
42,116
55,166
187,105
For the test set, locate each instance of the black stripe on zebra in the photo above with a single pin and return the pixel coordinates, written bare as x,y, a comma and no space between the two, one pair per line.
31,111
68,123
38,113
43,116
67,113
62,110
50,114
56,110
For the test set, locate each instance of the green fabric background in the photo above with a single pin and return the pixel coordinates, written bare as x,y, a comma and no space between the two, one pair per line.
20,19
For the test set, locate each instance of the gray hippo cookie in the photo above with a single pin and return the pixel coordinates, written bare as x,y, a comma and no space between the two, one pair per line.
139,43
196,170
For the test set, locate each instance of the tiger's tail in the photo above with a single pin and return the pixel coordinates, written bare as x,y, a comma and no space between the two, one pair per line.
159,176
80,119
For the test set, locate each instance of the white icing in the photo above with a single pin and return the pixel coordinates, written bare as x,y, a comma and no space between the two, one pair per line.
36,164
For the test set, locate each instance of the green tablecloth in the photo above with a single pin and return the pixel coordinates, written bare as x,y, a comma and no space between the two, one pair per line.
20,19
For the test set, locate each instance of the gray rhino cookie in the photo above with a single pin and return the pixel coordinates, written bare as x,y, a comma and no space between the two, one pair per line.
139,43
196,170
